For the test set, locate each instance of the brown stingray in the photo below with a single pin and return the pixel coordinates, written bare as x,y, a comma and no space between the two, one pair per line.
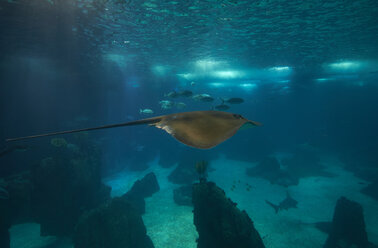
199,129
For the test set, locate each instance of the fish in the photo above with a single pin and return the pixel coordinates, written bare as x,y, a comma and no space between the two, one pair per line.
10,149
166,104
286,204
234,100
203,98
180,105
186,93
172,94
146,111
175,94
197,129
222,107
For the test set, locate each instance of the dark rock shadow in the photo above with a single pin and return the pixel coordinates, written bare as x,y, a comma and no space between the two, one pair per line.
219,222
304,163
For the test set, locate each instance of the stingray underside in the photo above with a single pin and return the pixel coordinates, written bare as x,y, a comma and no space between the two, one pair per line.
203,133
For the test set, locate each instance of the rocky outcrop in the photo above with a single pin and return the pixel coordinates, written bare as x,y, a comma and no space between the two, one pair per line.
5,218
56,192
184,173
348,226
21,189
269,169
141,189
64,190
183,195
220,224
361,163
145,187
305,163
15,203
115,224
371,190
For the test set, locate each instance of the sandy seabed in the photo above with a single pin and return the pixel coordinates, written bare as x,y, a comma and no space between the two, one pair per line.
171,226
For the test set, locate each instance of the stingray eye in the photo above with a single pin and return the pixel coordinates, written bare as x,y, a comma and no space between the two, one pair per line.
237,116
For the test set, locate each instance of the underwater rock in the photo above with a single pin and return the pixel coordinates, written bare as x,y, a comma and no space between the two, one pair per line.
5,220
371,190
201,169
348,226
220,224
20,191
183,195
115,224
361,163
137,202
145,187
269,169
64,189
324,226
363,167
184,173
305,163
141,189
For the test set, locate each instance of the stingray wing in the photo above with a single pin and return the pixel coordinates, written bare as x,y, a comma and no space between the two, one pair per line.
203,133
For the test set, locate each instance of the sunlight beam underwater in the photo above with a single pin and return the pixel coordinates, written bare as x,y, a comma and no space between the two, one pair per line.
198,129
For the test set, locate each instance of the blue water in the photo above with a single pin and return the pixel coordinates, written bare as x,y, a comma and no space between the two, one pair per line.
308,71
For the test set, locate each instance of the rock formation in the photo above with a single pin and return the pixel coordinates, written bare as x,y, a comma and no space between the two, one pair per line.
371,190
183,195
141,189
220,224
269,169
115,224
348,226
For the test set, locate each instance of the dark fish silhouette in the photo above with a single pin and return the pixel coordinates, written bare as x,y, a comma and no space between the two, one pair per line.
203,98
234,100
10,149
199,129
286,204
172,94
186,93
222,107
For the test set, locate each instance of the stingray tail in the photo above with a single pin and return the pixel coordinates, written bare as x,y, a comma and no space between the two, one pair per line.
276,207
255,123
150,121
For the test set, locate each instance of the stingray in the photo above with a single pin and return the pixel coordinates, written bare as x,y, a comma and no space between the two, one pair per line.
199,129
